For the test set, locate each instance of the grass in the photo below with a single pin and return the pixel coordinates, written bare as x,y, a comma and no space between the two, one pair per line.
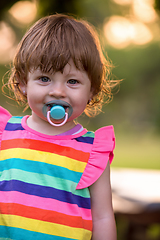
142,151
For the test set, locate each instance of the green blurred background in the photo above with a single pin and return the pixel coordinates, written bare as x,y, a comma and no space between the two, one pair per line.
129,31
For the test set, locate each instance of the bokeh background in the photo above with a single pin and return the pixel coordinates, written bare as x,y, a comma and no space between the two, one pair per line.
129,31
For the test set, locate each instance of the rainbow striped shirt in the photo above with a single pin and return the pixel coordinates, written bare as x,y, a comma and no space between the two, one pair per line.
44,181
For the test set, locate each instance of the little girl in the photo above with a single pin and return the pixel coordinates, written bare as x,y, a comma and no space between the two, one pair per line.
54,174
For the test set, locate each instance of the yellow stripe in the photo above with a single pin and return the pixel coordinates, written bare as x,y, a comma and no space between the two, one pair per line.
45,157
44,227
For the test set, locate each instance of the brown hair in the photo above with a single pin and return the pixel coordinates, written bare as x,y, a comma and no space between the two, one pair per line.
50,43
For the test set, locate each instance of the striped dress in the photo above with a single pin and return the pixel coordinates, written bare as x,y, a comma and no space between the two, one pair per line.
44,180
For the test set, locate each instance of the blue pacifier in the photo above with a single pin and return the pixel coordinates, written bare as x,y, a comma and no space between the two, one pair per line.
56,110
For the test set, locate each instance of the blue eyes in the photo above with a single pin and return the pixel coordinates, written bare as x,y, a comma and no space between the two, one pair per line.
45,79
72,81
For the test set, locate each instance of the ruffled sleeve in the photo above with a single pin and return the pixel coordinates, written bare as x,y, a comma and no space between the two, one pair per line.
4,117
102,151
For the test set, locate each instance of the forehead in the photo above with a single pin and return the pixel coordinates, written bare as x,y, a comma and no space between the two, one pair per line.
50,45
69,71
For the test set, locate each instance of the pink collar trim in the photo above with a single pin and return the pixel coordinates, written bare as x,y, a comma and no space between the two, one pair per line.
25,126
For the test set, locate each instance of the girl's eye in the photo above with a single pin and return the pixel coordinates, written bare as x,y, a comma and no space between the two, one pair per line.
44,79
72,81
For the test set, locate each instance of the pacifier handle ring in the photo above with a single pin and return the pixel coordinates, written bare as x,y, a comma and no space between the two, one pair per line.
55,124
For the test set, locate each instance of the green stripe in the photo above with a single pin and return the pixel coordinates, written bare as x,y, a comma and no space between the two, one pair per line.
43,180
15,120
89,134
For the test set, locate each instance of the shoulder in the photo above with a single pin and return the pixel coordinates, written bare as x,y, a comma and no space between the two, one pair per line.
101,152
104,134
105,138
4,117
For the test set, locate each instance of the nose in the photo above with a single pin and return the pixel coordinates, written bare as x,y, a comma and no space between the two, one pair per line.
57,91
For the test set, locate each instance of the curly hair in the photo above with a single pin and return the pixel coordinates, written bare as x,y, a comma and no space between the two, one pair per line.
50,43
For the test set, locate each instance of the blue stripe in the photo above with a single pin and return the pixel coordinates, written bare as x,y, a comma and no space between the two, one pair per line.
40,167
19,234
46,192
13,127
85,139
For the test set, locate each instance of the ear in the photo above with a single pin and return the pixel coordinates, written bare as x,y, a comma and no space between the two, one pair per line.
23,88
90,95
22,84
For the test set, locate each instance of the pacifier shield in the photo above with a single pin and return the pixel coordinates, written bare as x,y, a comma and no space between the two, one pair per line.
61,107
57,110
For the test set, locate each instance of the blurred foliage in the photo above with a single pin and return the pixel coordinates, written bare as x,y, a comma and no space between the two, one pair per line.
92,10
4,6
157,5
139,96
136,105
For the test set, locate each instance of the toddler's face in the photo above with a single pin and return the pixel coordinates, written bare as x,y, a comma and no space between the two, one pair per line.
72,86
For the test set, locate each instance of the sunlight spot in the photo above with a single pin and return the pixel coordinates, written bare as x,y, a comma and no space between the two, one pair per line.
141,34
7,42
120,32
116,31
144,10
24,11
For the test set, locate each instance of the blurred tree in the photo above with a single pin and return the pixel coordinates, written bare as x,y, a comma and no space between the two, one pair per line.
157,5
94,12
60,6
5,5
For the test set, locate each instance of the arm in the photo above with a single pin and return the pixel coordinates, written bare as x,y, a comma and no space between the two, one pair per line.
4,117
104,227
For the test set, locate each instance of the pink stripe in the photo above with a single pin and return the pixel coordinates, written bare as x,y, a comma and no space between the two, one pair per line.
44,203
69,143
4,117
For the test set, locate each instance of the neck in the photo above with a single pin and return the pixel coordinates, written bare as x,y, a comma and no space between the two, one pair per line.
43,126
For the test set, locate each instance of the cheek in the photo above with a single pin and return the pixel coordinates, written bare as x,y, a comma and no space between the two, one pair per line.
34,95
33,100
79,105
